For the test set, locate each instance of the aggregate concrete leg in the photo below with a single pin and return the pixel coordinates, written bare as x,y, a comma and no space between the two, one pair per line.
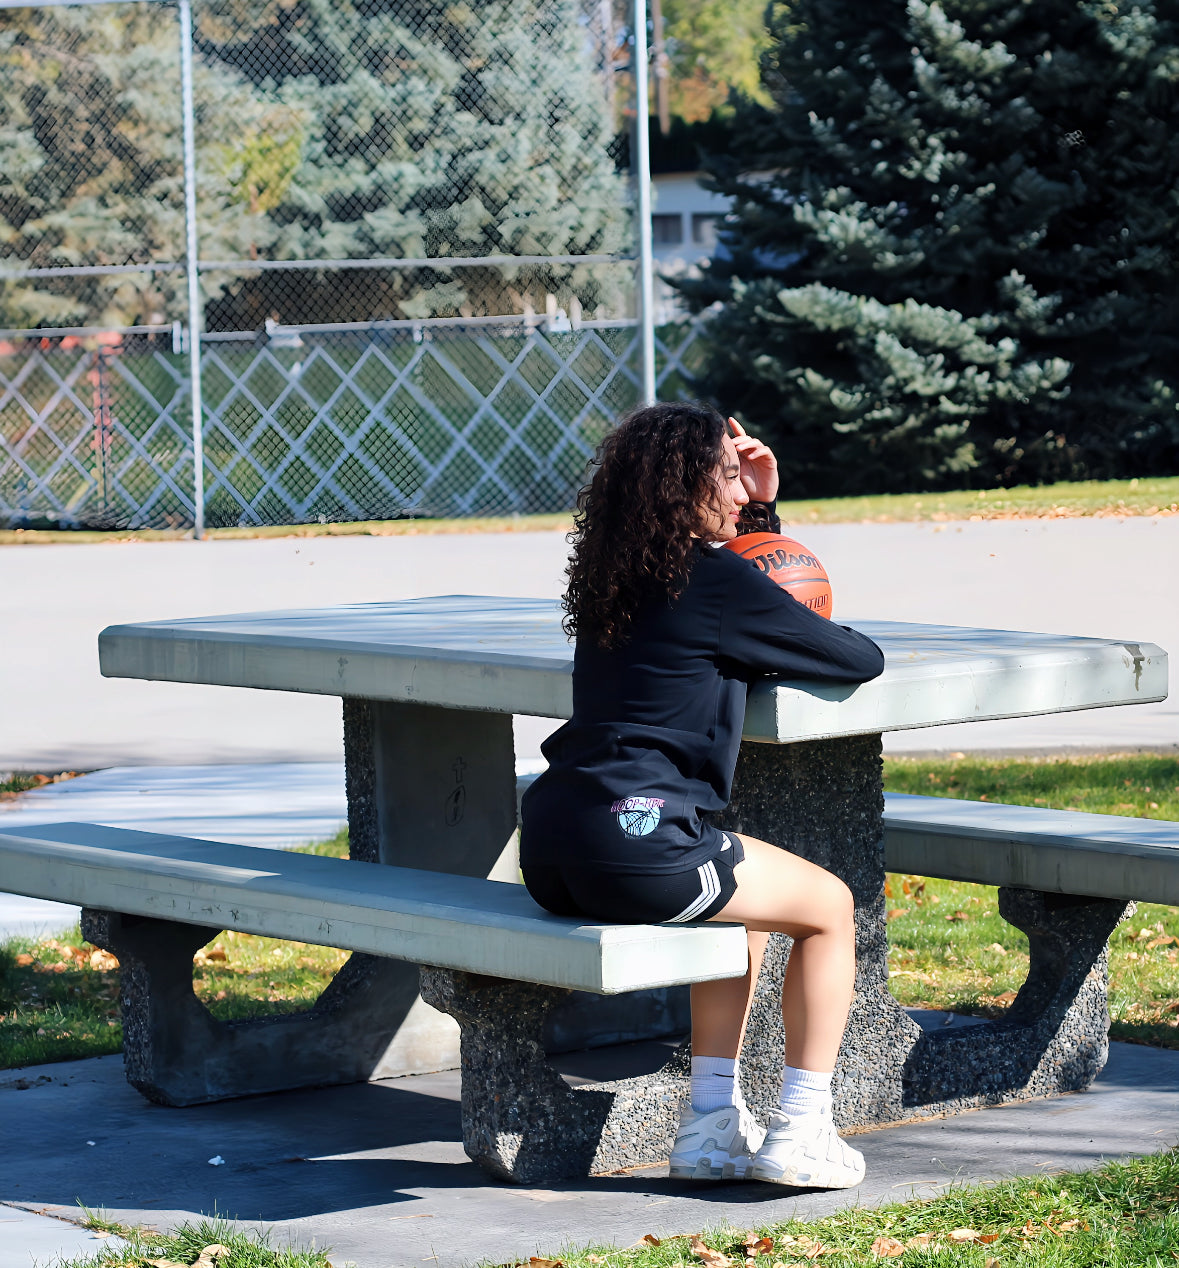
1054,1037
176,1053
427,788
521,1121
823,801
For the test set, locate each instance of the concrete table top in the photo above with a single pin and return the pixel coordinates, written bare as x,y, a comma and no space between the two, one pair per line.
510,656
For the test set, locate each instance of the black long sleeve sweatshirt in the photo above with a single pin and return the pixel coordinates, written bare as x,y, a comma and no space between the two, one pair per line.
652,744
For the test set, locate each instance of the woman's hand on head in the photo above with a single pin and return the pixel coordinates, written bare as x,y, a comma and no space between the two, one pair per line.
759,467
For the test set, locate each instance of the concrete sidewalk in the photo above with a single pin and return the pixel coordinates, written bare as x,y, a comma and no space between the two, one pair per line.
277,806
376,1172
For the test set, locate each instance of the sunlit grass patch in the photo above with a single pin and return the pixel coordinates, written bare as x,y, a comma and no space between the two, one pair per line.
1143,785
203,1243
1124,1215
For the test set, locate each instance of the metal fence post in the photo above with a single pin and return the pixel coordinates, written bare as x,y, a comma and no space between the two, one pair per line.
643,176
194,286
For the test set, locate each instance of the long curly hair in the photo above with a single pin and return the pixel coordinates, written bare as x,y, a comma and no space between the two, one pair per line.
632,536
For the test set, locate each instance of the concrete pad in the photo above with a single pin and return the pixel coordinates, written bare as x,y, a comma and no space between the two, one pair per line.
28,1239
377,1172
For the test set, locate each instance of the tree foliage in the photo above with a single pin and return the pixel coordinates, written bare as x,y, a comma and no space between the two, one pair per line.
953,257
714,51
326,130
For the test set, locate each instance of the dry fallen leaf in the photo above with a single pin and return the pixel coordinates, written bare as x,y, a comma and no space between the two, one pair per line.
888,1247
918,1240
991,1263
707,1256
998,948
963,1235
758,1245
596,1259
102,961
647,1239
1007,997
164,1263
209,1255
1070,1226
535,1261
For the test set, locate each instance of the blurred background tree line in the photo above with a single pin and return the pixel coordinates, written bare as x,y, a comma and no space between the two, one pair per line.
951,255
325,130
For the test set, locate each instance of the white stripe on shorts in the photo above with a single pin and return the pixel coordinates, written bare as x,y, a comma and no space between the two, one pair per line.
709,891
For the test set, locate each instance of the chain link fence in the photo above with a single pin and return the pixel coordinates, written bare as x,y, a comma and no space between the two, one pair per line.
325,426
416,258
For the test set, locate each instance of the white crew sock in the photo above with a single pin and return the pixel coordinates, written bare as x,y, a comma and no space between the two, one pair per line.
714,1084
805,1092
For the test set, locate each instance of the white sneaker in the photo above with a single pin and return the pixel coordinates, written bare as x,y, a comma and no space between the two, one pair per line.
718,1145
807,1154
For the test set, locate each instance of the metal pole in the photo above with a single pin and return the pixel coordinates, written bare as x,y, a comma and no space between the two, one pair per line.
643,177
194,287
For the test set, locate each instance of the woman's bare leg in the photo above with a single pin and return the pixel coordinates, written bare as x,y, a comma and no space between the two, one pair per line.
720,1009
779,892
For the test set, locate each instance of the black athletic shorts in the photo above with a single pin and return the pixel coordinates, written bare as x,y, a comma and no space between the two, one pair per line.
638,898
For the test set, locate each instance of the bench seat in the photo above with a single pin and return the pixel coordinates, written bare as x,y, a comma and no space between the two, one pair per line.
1028,847
456,922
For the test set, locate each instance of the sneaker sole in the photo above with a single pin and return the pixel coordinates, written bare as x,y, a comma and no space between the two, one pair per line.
809,1179
704,1170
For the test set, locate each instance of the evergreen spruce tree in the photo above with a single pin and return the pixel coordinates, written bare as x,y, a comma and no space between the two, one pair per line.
429,130
953,252
90,163
325,130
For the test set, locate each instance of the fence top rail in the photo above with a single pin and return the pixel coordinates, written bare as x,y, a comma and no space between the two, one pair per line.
44,4
85,332
262,266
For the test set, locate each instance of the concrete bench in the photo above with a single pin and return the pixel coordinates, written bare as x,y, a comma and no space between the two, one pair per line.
498,964
1027,847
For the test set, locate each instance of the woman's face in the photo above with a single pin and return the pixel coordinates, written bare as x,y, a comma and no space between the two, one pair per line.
718,517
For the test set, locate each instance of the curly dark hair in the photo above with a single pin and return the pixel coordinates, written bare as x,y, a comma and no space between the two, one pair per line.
632,536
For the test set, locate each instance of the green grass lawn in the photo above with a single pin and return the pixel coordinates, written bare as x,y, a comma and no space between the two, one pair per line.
950,949
1146,496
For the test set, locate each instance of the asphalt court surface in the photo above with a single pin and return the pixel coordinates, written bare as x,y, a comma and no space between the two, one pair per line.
1103,577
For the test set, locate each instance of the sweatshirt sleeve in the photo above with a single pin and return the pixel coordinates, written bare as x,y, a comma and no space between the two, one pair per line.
767,631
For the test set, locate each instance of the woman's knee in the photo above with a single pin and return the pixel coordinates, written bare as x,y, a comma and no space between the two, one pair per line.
836,905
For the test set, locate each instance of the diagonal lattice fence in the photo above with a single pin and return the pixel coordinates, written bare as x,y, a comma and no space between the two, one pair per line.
317,425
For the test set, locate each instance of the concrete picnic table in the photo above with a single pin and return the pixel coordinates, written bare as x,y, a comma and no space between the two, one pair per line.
429,689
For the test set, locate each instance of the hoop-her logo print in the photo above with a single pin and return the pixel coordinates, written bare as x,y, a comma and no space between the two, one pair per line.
637,816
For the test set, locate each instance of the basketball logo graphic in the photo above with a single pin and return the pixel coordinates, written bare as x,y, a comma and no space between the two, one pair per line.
637,816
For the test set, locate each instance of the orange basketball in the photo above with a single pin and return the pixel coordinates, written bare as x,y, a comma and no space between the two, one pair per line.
790,564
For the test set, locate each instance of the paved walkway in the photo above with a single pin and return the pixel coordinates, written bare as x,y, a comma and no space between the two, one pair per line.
377,1172
276,805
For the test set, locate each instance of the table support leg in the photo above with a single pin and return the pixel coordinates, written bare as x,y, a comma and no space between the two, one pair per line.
521,1121
823,801
177,1053
1053,1038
